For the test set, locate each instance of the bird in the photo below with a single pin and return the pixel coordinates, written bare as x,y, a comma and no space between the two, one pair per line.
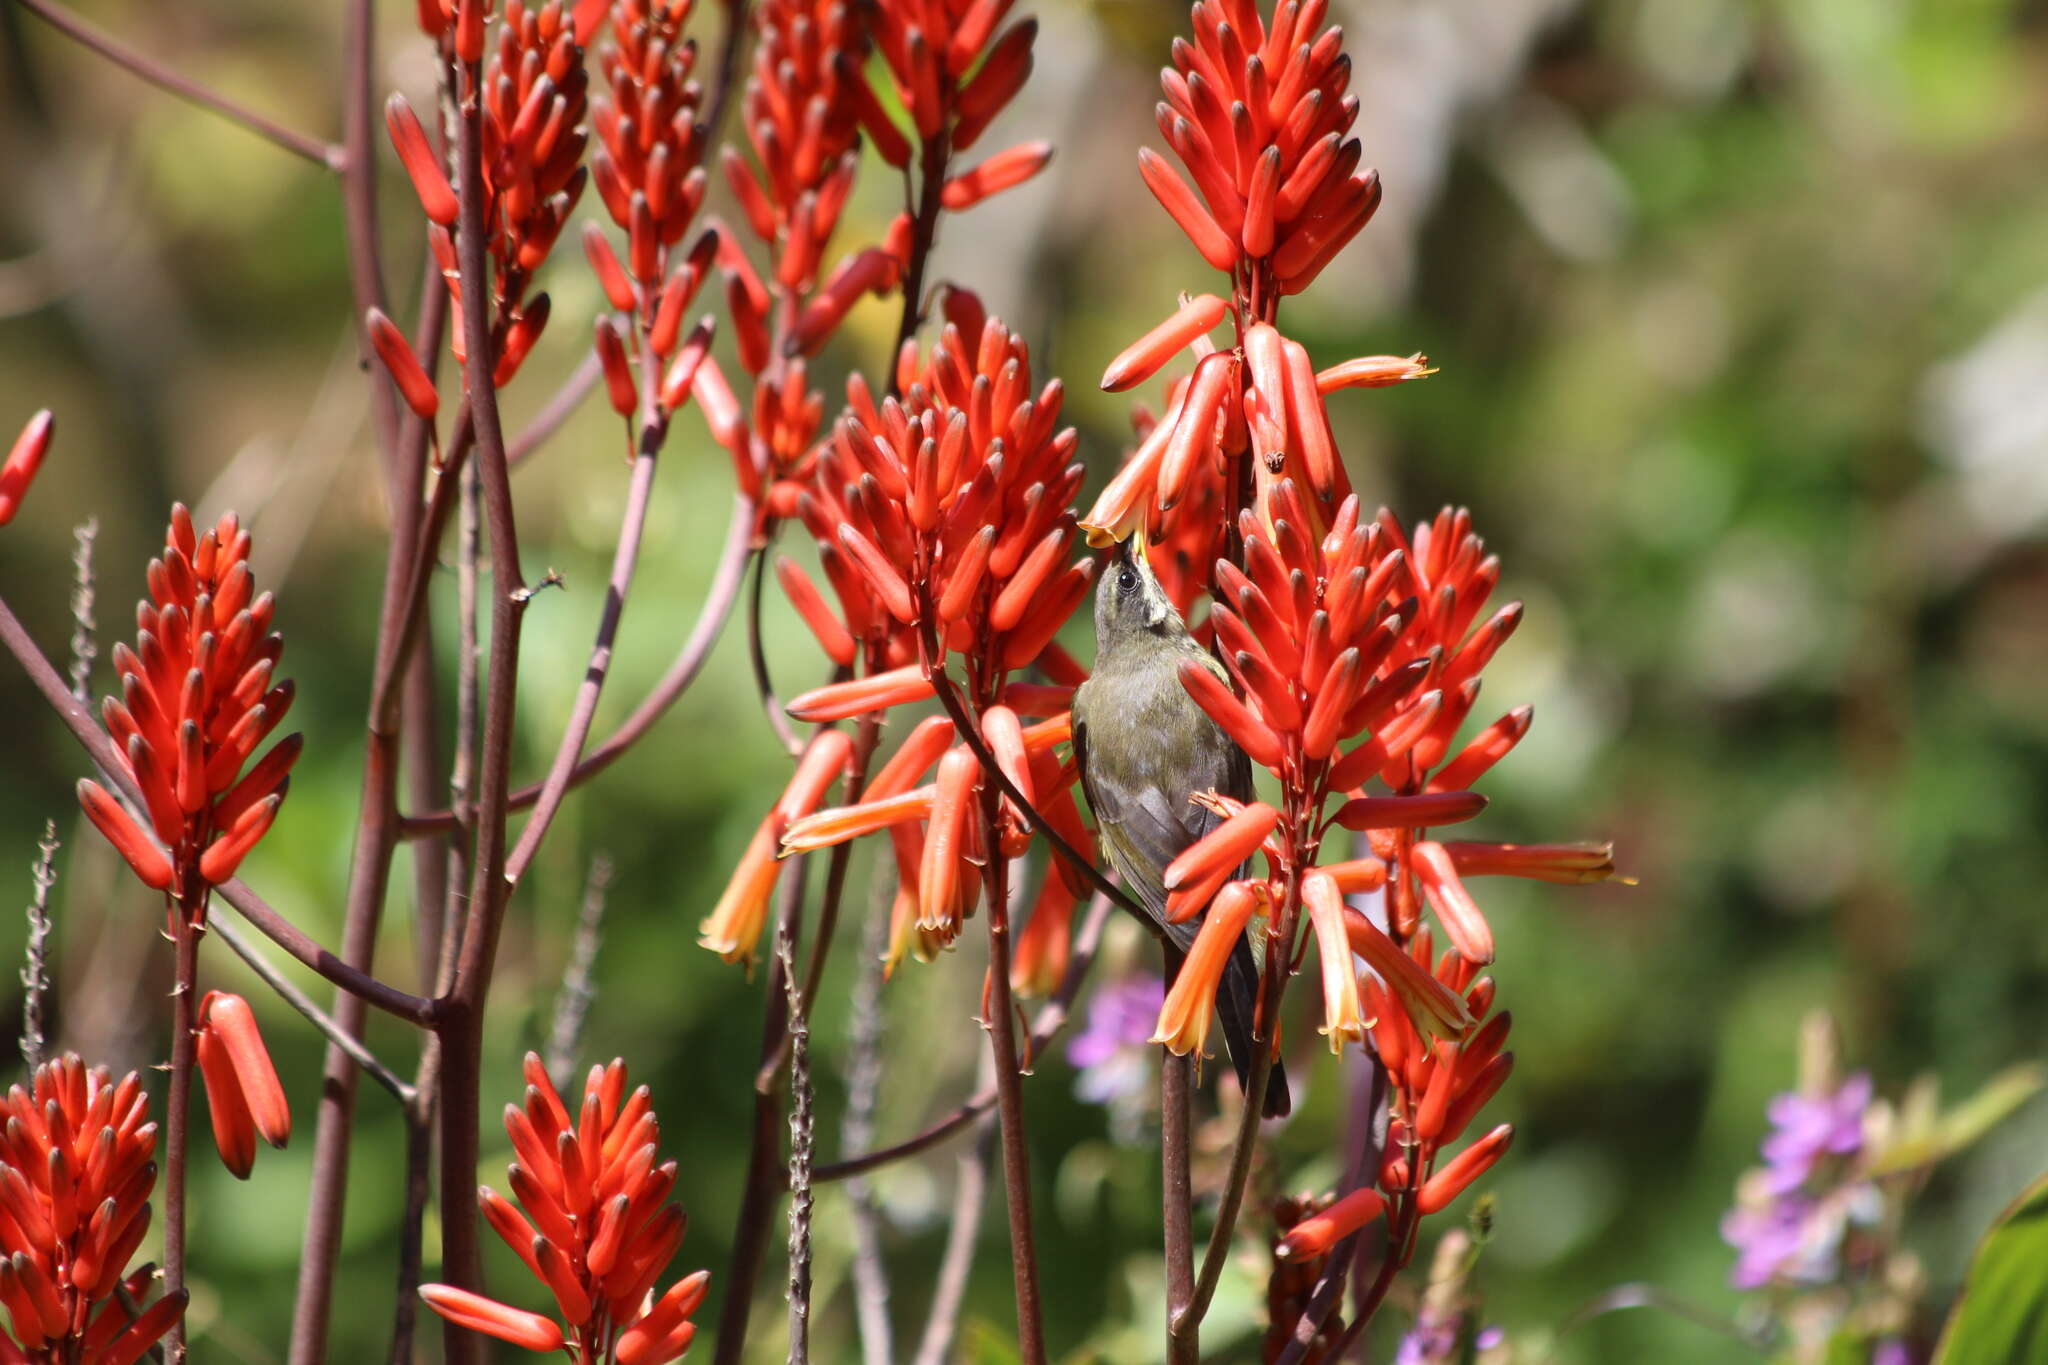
1146,749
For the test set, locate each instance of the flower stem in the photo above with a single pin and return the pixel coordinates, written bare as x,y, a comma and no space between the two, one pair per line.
184,87
1176,1191
1002,1027
178,1107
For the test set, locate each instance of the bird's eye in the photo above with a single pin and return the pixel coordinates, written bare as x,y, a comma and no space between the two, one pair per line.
1126,581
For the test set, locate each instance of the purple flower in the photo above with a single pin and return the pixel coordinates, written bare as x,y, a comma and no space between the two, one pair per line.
1807,1129
1427,1343
1110,1051
1767,1238
1433,1340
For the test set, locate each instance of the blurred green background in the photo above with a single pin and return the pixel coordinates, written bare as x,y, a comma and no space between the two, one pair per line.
1741,309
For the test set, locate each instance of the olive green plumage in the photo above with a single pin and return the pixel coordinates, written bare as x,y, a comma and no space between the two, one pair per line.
1146,748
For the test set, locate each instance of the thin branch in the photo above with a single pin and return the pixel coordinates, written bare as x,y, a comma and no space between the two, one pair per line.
84,629
1176,1096
70,709
413,1009
1002,1026
35,968
185,931
320,1019
1052,1017
625,559
461,1029
579,987
1188,1320
322,154
1365,1164
711,618
857,1130
765,1171
359,218
764,686
402,442
556,411
933,153
867,734
801,1126
970,1198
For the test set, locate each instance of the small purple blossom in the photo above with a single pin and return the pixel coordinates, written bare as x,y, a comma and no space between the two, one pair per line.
1892,1351
1110,1051
1768,1238
1433,1340
1807,1129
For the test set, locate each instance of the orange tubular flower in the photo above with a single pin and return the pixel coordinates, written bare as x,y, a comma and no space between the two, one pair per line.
593,1225
1184,1018
1344,1018
197,702
733,928
75,1177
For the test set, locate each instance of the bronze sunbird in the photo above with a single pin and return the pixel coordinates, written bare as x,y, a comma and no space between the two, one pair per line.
1146,750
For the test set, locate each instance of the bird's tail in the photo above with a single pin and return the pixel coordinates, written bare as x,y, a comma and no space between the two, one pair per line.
1237,1003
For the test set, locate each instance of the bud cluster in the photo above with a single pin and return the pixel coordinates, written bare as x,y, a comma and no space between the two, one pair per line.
1259,115
75,1177
592,1223
197,701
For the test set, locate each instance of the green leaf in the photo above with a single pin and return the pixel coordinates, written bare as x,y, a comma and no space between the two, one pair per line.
1966,1123
2002,1314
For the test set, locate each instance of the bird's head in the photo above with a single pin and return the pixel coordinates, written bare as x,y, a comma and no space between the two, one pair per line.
1130,604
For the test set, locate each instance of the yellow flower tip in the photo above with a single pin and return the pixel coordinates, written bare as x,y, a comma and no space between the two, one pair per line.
1099,537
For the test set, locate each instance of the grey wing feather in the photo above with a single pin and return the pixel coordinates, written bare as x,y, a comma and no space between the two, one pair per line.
1142,830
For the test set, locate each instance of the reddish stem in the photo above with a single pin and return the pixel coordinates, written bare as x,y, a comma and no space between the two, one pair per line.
461,1025
178,1110
1002,1028
1176,1187
689,661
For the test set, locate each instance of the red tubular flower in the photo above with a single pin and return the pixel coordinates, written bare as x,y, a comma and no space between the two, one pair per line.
242,1087
197,702
75,1177
1315,1235
23,460
592,1223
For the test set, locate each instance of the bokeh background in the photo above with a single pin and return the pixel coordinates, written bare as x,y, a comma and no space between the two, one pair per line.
1741,313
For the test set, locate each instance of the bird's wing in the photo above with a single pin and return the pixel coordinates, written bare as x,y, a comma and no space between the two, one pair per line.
1140,833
